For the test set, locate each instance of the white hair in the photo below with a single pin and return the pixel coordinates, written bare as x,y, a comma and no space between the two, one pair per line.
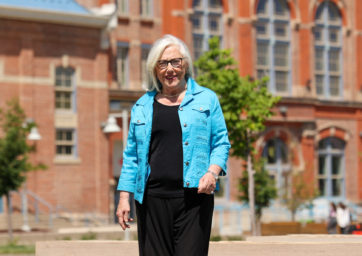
151,82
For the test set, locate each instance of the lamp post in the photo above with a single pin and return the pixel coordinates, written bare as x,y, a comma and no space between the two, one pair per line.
33,136
111,126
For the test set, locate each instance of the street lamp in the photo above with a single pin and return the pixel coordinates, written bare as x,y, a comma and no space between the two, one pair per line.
33,136
111,125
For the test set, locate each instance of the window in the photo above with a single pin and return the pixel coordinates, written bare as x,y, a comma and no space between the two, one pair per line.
122,7
122,65
196,3
277,163
144,54
64,88
331,167
146,8
214,4
198,46
262,7
196,22
273,45
206,23
65,143
327,51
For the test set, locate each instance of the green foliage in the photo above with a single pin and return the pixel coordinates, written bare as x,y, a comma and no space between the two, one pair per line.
246,103
265,189
14,150
15,248
298,194
216,238
89,236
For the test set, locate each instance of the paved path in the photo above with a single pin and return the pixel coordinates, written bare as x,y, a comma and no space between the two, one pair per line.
295,245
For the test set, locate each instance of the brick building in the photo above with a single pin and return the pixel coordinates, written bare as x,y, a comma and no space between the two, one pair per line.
310,49
54,59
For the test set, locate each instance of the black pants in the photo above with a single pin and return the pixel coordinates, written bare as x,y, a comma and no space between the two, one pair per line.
175,226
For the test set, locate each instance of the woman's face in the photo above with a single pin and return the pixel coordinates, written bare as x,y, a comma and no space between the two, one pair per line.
171,76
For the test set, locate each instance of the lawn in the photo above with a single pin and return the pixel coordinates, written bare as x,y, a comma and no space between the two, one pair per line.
15,248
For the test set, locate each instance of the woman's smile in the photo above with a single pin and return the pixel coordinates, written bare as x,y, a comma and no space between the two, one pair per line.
171,77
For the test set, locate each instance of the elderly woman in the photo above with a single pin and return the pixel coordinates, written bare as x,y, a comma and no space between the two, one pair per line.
177,146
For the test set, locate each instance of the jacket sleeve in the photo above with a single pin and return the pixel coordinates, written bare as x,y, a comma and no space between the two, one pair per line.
127,179
220,144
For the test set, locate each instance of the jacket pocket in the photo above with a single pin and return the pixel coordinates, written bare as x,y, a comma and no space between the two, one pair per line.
200,114
139,128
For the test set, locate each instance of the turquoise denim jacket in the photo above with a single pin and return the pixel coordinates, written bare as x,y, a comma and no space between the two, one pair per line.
204,139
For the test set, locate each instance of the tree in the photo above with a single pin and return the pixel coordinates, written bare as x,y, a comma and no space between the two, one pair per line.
246,104
14,150
298,194
265,189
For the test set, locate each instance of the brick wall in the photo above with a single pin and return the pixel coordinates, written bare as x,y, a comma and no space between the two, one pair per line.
29,54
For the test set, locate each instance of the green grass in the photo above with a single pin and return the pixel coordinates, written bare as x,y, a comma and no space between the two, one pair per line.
89,236
216,238
14,248
235,238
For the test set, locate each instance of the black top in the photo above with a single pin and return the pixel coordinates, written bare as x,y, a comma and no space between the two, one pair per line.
166,154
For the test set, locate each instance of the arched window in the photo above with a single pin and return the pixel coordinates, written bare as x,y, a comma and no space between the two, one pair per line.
331,167
273,45
328,51
206,23
277,163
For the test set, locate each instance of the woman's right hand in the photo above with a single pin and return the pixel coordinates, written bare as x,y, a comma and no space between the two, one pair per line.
123,210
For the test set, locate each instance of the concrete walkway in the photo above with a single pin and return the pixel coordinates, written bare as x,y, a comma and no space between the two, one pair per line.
296,245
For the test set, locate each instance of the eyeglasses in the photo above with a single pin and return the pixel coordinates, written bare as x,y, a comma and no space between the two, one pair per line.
176,63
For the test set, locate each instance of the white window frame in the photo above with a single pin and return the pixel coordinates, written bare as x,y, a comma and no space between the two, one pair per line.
123,7
204,12
328,153
146,8
63,143
62,87
271,21
145,50
278,169
323,24
122,65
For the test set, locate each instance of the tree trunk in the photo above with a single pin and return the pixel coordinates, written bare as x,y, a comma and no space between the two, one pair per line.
258,226
10,225
251,196
293,216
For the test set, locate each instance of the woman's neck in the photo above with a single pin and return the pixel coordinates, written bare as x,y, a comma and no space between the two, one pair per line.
173,97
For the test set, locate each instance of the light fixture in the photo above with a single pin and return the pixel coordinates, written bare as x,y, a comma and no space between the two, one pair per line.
34,134
283,110
111,125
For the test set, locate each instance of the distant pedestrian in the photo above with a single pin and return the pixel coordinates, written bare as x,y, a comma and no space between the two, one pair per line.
343,218
332,219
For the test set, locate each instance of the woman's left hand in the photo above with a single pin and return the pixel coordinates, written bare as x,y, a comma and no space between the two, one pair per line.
207,184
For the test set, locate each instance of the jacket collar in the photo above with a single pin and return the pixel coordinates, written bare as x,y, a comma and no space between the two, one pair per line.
192,89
